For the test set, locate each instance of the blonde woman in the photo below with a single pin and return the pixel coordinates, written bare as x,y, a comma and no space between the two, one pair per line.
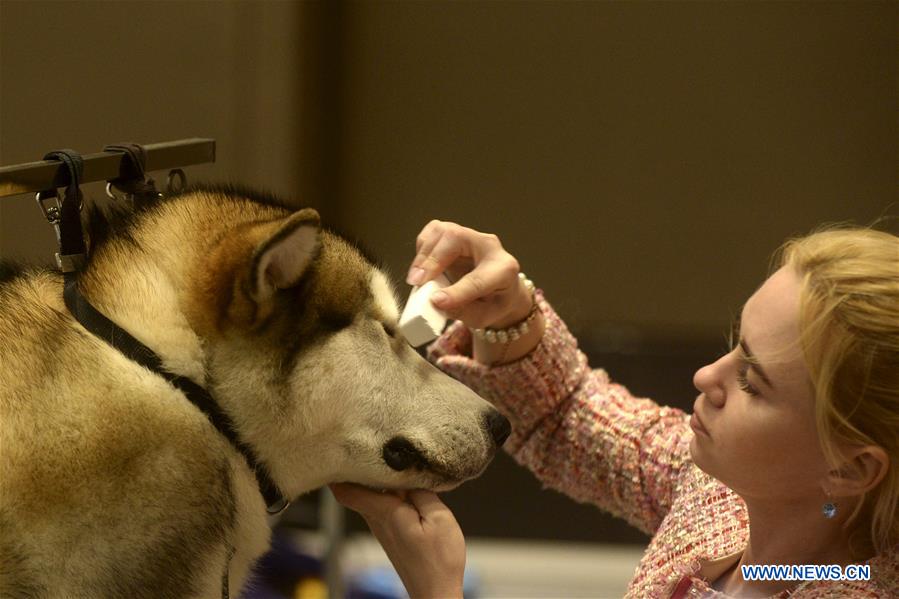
790,458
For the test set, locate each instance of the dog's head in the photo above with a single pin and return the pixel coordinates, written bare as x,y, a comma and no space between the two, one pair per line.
301,342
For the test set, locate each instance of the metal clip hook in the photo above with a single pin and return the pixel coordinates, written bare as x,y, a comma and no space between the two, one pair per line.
175,174
52,213
127,198
110,193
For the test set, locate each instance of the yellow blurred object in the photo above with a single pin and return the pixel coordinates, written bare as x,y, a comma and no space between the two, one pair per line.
310,588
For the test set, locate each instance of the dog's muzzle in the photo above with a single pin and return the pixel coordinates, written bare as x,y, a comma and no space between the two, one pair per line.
498,427
401,454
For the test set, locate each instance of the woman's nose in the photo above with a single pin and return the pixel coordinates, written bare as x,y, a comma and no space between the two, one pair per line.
708,381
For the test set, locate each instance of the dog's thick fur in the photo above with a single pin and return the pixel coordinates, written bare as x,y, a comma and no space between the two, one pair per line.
112,484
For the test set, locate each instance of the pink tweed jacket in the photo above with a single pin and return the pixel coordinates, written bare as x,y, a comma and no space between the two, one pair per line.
591,439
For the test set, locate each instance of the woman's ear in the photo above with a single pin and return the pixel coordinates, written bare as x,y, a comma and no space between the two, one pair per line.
863,469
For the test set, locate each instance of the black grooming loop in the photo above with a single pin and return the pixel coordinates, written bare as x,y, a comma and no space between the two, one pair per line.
139,189
65,216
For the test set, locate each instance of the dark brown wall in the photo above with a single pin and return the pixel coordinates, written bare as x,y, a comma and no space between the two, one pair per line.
642,159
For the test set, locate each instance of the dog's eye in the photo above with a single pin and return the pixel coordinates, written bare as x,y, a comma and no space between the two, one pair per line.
391,332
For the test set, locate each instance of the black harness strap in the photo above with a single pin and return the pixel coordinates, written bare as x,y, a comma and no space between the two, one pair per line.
132,179
67,221
71,258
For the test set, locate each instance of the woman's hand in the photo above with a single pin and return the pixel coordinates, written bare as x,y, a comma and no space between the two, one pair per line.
486,291
419,534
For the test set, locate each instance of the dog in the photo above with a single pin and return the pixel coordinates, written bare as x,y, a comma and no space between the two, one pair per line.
113,483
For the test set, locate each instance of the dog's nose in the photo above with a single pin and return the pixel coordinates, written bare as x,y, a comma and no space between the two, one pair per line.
400,454
498,426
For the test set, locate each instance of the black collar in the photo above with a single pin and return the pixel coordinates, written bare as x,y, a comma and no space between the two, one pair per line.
114,335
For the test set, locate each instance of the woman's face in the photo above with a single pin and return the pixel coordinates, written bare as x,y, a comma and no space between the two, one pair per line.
754,418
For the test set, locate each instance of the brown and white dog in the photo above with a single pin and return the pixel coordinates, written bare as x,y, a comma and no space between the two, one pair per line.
113,484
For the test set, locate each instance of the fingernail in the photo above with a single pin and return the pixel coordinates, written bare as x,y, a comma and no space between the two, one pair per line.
416,275
439,298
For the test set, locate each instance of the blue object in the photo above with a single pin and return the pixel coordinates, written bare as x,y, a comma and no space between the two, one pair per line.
279,571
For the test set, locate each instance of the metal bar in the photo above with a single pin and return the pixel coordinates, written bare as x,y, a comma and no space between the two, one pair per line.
102,166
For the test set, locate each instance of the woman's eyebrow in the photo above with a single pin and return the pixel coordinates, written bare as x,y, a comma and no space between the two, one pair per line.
754,363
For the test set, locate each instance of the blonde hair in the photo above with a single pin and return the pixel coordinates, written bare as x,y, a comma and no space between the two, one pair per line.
849,332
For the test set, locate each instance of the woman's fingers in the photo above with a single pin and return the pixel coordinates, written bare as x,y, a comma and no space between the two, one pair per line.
489,280
448,248
425,501
430,507
428,236
382,505
422,265
485,289
370,504
441,244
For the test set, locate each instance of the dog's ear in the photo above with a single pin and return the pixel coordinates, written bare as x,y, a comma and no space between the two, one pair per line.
279,260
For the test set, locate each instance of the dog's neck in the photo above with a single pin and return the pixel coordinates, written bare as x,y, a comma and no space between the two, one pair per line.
141,287
147,286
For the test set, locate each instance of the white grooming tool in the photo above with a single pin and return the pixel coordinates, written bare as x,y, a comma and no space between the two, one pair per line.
421,322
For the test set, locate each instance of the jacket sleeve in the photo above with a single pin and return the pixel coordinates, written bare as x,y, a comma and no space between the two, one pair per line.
577,431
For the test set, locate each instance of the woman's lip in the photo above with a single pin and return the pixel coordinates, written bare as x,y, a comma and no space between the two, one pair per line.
697,426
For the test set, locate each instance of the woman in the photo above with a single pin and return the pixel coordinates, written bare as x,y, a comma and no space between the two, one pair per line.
791,455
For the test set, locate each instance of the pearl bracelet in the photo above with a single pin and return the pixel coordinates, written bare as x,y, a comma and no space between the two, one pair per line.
516,330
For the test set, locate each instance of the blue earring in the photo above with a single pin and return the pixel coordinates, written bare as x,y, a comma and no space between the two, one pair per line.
829,509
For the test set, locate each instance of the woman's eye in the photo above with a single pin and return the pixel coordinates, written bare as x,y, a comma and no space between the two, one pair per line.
743,383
